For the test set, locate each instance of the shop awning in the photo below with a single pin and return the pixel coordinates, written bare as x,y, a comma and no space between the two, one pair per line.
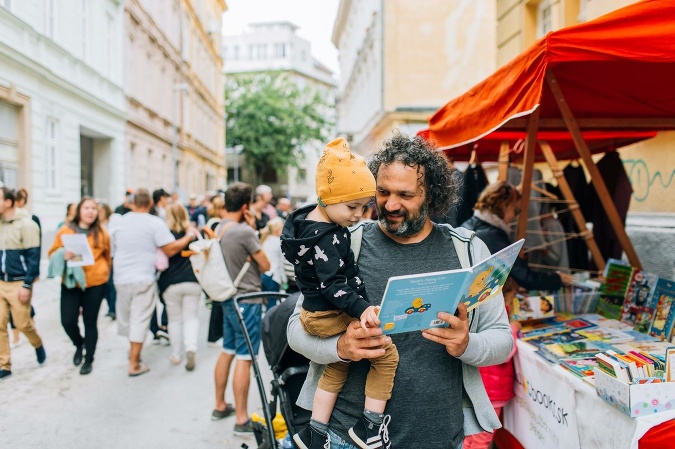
617,73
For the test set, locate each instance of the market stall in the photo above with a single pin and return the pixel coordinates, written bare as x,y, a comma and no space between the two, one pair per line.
586,89
613,74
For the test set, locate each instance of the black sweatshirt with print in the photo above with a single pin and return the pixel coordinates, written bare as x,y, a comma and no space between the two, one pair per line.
325,269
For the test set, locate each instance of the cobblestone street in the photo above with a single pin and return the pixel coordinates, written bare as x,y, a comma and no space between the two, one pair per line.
53,406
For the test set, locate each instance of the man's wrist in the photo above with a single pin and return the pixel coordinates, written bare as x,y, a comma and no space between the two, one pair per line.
338,351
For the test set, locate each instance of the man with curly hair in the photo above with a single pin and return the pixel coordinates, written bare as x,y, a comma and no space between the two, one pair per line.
438,395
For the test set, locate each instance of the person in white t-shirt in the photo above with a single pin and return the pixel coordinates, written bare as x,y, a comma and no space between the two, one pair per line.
137,237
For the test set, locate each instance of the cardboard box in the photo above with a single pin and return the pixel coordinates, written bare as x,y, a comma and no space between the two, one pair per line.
635,400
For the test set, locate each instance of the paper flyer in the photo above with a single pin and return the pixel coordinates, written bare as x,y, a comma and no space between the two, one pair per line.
78,244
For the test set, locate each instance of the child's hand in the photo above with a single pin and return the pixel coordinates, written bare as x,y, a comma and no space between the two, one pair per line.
369,317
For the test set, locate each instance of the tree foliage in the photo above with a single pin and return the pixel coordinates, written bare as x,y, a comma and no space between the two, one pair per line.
272,118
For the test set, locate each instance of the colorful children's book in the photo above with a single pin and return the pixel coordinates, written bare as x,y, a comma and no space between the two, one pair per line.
664,317
575,350
652,347
580,367
533,306
644,318
577,324
562,337
606,335
639,297
613,292
412,303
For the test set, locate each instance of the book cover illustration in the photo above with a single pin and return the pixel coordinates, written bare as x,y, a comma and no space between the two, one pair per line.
575,350
664,317
542,331
584,367
534,306
577,324
606,335
651,347
412,303
644,318
639,297
613,292
560,337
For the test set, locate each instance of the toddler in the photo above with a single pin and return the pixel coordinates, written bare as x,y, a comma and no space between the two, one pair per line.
317,242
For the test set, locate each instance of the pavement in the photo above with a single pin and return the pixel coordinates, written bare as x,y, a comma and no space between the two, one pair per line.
53,406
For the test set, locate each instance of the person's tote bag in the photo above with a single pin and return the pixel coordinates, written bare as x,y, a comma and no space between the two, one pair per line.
210,270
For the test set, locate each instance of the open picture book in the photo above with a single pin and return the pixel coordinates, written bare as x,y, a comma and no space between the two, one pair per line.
412,303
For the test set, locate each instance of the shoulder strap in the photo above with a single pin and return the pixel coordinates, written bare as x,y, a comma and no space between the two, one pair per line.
224,228
462,244
357,237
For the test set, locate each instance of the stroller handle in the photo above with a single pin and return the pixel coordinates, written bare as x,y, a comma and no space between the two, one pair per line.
256,369
258,294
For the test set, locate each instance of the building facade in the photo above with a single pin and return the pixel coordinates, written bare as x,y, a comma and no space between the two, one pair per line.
650,165
392,81
275,46
62,109
173,87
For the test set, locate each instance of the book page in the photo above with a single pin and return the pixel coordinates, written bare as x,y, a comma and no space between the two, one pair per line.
412,303
490,275
78,244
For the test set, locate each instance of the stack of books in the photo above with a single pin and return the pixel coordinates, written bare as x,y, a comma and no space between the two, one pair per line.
632,366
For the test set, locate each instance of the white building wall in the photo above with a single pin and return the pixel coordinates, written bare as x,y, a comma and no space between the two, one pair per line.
77,86
360,91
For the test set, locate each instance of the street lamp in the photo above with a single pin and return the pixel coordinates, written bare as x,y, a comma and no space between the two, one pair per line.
178,87
236,150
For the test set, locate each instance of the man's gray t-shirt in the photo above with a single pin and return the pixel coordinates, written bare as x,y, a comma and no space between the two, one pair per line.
136,237
427,395
237,243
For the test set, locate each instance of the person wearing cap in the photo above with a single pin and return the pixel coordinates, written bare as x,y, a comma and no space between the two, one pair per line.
160,199
126,206
315,239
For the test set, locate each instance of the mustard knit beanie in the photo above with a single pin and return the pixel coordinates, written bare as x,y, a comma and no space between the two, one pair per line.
342,176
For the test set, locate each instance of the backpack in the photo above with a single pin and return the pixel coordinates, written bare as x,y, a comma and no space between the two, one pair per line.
208,265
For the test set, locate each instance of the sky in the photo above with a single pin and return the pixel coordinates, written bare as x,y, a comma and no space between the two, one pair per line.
314,17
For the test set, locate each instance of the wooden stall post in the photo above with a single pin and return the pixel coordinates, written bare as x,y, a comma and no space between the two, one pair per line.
503,161
528,168
573,207
596,178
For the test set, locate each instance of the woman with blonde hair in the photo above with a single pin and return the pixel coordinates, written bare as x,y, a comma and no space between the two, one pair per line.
181,292
215,209
497,206
275,277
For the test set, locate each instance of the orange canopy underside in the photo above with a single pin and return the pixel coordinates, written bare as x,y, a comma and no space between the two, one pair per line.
619,66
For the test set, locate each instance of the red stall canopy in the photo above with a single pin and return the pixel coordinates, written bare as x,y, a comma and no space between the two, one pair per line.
616,73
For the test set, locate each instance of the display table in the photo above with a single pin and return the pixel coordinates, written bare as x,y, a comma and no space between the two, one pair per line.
555,409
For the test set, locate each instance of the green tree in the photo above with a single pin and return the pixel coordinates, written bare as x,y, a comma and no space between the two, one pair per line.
272,118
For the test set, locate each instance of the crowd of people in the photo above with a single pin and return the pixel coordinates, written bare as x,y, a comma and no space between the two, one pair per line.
431,386
141,268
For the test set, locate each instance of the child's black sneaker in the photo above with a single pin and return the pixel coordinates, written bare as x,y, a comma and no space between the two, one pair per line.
309,438
368,435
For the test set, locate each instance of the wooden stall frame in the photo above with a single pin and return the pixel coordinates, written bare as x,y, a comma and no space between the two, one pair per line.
528,169
574,206
596,178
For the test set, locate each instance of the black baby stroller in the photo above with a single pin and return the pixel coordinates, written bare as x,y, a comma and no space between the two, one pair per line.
289,369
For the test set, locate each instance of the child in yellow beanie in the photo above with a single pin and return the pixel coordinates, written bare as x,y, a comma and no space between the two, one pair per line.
317,242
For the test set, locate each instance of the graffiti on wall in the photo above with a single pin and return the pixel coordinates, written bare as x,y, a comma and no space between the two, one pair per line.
642,179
